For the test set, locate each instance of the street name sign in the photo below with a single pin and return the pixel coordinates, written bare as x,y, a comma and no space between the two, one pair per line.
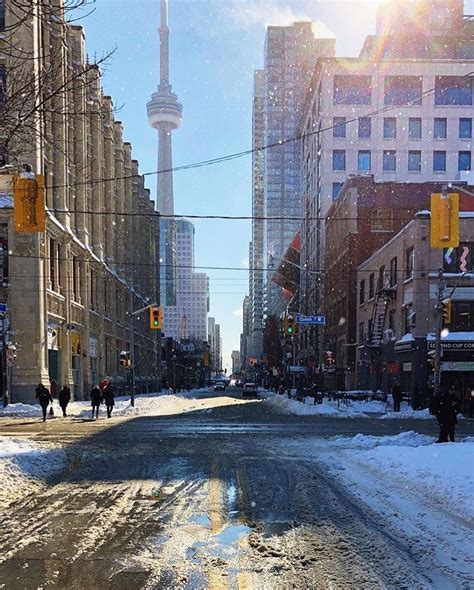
319,320
3,307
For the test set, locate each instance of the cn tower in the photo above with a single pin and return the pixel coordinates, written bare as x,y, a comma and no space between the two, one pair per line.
164,114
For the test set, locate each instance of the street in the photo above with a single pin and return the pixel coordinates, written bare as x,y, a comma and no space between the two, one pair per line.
216,498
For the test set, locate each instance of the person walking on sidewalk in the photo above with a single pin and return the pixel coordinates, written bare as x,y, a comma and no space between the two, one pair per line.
44,398
64,398
96,400
109,398
397,396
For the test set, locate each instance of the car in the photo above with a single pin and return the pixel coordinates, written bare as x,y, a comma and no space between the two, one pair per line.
219,386
250,390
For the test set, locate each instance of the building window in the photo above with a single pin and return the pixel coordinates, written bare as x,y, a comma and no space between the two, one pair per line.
339,127
465,128
336,189
355,90
440,128
409,318
362,291
403,90
389,128
93,290
463,316
381,220
392,314
453,90
409,262
393,272
414,128
75,278
339,160
365,127
464,161
389,160
371,286
364,161
361,334
439,161
381,279
414,161
52,265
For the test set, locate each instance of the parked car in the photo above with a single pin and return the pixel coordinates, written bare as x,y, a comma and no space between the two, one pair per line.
219,386
250,390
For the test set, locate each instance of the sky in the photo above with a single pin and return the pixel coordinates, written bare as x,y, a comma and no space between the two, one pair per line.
215,46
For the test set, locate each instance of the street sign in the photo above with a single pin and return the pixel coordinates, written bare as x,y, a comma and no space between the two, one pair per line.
297,369
319,320
3,307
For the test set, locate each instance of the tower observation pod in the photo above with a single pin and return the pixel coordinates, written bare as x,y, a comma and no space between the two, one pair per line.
165,114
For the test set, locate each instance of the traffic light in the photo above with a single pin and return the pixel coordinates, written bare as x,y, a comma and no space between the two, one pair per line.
447,305
156,317
125,358
290,327
444,220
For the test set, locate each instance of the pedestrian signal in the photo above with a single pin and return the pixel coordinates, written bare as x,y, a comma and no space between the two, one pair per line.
156,317
445,220
447,306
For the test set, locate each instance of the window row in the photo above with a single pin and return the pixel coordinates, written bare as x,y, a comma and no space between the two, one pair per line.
386,278
440,128
389,161
403,90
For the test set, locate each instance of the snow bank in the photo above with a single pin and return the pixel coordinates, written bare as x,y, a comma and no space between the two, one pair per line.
24,467
353,409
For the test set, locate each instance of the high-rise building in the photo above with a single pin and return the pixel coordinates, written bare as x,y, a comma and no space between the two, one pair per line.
290,56
164,115
236,364
256,259
188,318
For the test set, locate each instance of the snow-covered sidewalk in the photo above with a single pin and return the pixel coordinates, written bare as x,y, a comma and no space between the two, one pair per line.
351,409
156,404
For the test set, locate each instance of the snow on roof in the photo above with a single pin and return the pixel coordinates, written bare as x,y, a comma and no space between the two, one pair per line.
406,338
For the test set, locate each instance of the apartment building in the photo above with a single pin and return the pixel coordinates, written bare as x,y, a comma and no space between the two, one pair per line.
397,296
71,290
401,112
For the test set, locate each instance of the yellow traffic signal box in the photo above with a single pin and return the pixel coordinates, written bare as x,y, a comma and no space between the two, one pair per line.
447,308
156,317
444,220
29,203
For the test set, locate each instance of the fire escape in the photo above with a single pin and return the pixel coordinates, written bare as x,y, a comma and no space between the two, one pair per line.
386,292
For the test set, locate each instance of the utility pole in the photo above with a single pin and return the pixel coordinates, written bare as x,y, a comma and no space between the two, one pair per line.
132,349
439,327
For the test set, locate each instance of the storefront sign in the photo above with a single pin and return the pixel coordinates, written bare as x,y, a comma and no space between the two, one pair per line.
461,345
403,346
458,366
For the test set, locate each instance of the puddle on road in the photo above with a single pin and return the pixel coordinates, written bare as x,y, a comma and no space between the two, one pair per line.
202,520
233,534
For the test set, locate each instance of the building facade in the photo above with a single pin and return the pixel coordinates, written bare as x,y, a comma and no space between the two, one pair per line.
188,318
236,364
71,291
395,112
256,261
396,318
290,55
215,345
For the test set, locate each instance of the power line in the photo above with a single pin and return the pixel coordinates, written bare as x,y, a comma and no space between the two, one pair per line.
241,154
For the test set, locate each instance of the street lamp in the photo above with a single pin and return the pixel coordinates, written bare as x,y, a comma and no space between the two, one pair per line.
174,359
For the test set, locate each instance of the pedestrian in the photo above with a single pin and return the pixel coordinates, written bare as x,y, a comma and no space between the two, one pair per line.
109,398
397,396
44,398
64,398
446,410
96,400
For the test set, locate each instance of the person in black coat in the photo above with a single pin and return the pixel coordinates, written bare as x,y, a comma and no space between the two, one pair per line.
397,396
446,410
44,398
96,400
109,398
64,398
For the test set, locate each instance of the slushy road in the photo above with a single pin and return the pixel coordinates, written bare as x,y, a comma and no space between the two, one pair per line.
215,498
